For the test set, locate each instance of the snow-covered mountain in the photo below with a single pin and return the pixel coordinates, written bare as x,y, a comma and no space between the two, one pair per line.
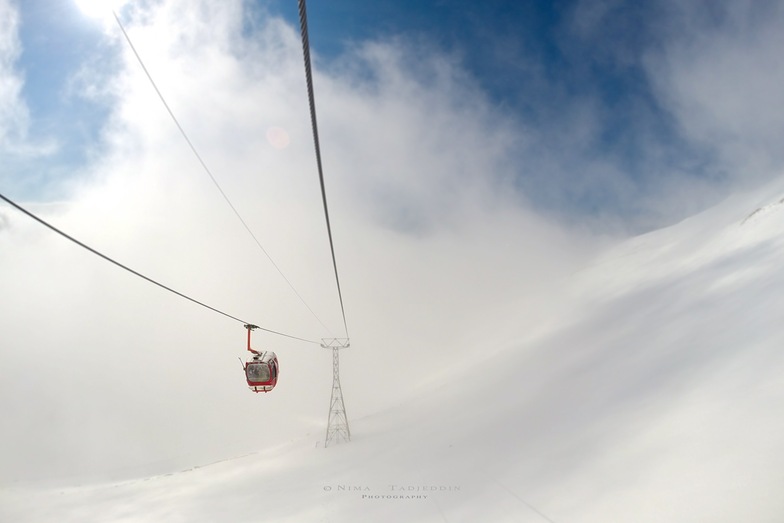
649,389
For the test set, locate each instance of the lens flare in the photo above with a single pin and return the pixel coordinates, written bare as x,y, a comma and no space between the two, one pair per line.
278,137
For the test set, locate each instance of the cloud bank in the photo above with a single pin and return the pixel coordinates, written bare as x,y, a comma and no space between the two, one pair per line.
109,375
720,73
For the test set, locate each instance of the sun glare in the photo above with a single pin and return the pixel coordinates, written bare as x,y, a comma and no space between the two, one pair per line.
99,8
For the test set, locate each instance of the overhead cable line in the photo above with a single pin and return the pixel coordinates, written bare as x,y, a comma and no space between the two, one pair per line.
303,20
136,273
204,165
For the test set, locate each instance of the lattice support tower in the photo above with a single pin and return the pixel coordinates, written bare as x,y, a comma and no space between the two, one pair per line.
337,422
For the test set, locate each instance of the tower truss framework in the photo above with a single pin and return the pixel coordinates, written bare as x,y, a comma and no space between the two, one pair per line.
337,421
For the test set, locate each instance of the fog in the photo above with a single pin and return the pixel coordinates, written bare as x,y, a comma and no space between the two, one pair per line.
107,376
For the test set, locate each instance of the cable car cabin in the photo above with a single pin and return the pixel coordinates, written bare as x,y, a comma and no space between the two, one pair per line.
262,372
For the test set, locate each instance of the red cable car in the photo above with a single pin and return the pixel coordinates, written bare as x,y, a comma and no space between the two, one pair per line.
261,371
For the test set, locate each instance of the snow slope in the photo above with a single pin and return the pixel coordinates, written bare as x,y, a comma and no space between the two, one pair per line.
650,390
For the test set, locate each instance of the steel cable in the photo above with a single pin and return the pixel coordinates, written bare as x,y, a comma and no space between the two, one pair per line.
136,273
207,169
303,20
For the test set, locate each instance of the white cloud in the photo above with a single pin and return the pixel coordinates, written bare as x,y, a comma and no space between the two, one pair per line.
720,72
16,145
428,235
677,104
14,117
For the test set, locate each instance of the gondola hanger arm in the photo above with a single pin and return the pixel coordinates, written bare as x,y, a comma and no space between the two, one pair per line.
250,328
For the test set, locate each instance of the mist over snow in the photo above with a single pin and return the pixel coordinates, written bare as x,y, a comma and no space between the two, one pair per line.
509,361
141,371
647,388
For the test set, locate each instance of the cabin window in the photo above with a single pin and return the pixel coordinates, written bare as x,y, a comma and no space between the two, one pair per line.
257,372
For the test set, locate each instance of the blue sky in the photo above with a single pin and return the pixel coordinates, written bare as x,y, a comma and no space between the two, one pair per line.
618,100
532,61
55,39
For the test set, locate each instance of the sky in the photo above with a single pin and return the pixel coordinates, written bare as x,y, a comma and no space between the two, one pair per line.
474,159
614,113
